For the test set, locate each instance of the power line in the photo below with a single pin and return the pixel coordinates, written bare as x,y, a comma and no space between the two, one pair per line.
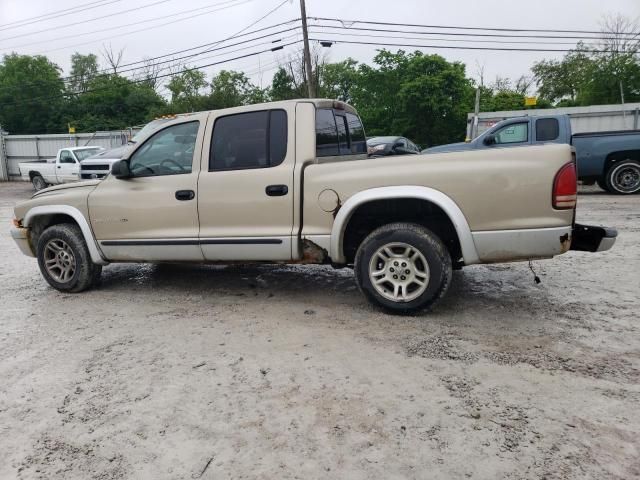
120,72
86,21
461,34
75,35
493,29
453,47
58,97
59,13
534,42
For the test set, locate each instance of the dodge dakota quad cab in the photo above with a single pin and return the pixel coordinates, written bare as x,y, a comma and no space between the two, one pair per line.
612,159
63,168
290,182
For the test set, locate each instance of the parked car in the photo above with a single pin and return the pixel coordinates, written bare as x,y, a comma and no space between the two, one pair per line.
63,168
612,159
277,183
99,165
382,146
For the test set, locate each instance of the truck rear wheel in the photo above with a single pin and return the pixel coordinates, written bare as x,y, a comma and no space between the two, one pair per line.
64,259
623,177
38,182
403,267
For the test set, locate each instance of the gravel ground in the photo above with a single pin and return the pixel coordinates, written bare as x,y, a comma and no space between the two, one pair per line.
184,372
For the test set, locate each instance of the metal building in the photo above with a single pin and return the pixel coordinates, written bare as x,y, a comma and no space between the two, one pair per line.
24,148
594,118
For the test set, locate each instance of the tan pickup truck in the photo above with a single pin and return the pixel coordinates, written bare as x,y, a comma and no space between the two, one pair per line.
290,182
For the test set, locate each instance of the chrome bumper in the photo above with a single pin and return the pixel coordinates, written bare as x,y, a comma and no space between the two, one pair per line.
590,238
21,237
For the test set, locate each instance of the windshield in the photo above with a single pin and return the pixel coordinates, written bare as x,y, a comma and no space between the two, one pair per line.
150,127
86,153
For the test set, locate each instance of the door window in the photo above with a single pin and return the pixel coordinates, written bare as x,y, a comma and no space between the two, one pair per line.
514,133
547,129
66,157
167,152
249,140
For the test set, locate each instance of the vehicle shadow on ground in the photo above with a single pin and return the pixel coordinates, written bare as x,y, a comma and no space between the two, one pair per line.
480,290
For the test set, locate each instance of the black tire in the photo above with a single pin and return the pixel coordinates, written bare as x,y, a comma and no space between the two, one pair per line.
38,182
85,273
602,183
421,239
623,177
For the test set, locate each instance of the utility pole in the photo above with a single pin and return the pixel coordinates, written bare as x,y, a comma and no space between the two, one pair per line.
624,114
476,111
307,52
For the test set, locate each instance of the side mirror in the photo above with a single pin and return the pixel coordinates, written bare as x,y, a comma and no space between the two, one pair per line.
490,139
120,169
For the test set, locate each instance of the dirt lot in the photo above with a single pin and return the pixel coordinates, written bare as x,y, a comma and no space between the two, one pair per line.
285,372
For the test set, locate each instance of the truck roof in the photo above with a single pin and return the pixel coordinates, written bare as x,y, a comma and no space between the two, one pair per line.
318,102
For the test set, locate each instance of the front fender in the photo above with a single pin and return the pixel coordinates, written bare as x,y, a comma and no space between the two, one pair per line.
80,219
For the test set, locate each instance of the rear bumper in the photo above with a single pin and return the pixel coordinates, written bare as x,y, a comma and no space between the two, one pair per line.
21,237
590,238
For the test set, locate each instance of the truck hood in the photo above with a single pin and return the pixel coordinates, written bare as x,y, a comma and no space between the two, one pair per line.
113,154
66,186
450,147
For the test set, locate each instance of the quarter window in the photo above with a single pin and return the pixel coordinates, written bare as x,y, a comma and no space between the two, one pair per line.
338,133
356,133
326,133
249,140
167,152
515,133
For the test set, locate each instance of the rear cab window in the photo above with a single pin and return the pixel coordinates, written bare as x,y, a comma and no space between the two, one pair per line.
339,133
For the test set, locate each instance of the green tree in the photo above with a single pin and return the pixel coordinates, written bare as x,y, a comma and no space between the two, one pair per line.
283,86
186,90
231,89
423,97
31,94
114,102
83,69
338,80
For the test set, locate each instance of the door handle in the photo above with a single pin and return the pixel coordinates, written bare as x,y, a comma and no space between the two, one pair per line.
59,166
276,190
185,195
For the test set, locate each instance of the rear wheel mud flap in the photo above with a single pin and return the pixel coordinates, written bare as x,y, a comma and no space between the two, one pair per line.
590,238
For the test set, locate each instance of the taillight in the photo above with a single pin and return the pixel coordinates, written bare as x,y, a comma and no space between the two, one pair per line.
565,187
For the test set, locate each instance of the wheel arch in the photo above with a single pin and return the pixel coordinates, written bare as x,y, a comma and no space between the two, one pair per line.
45,216
435,197
614,157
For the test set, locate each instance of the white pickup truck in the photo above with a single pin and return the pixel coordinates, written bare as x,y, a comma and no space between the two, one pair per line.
64,168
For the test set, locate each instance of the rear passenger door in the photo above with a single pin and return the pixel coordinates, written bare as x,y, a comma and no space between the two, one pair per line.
245,188
547,130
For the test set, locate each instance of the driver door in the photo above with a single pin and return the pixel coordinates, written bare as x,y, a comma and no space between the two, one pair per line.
153,215
67,168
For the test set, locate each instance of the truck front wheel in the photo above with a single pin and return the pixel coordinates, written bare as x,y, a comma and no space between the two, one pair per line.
403,267
64,259
624,177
